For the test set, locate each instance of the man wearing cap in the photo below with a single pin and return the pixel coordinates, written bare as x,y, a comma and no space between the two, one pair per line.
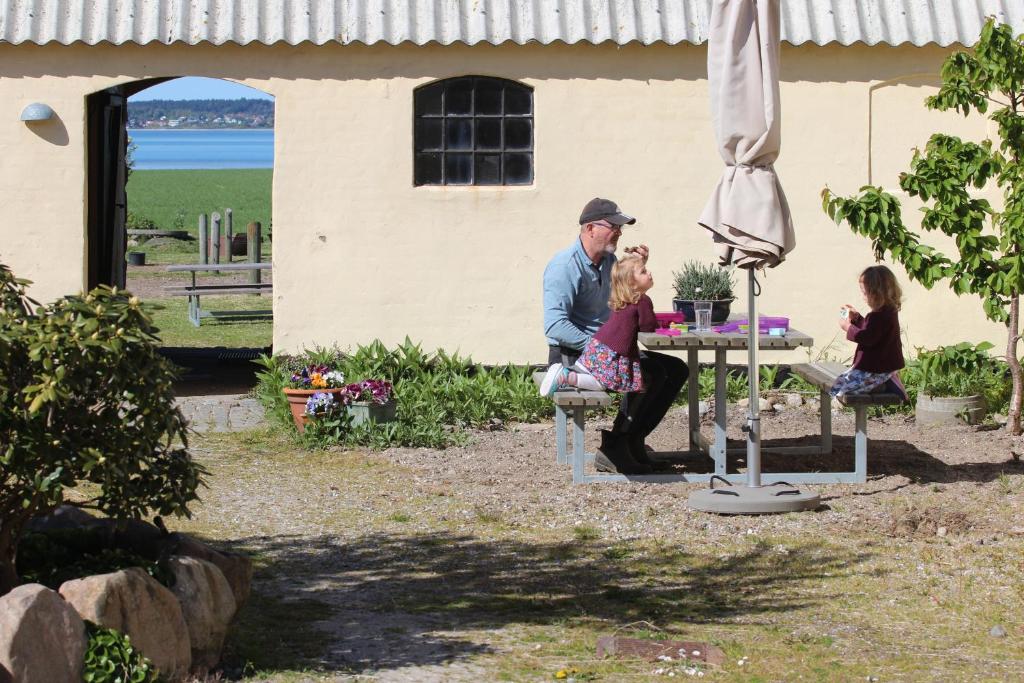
577,286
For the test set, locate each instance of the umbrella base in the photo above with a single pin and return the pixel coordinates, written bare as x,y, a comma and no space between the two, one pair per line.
762,500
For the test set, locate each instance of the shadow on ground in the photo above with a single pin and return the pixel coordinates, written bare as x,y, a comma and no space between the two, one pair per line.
391,601
886,457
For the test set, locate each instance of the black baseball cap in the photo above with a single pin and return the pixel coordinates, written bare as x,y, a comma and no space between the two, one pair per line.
598,209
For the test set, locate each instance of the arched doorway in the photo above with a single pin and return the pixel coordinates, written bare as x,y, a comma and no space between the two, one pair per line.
170,197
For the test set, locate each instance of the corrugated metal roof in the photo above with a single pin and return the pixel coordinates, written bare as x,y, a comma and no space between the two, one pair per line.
894,22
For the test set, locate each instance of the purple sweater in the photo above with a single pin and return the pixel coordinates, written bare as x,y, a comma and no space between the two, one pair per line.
877,336
619,332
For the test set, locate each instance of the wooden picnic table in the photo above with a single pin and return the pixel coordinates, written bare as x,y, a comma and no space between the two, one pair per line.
722,342
195,291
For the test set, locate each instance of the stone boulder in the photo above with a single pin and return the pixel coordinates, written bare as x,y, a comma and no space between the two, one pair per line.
207,604
134,603
237,569
42,638
62,518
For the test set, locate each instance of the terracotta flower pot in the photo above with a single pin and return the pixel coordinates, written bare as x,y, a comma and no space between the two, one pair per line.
297,402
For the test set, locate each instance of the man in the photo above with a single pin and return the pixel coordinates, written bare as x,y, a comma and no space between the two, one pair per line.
577,286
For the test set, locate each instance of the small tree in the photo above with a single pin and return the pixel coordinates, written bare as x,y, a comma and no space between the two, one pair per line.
85,399
989,243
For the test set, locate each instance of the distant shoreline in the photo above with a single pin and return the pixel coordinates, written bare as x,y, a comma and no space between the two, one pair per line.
180,128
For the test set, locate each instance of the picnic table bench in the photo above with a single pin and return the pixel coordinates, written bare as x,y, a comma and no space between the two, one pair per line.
194,291
575,403
822,376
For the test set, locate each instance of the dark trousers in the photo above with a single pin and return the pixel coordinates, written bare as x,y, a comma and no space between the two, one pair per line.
640,411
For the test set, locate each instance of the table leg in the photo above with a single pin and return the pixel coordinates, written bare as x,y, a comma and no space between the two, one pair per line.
718,448
693,399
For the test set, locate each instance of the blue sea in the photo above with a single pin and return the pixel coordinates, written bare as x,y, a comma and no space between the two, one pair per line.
219,148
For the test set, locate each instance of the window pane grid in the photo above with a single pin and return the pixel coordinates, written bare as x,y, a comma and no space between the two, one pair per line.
473,131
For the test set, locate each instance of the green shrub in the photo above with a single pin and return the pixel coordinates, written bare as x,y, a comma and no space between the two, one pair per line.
86,403
136,222
437,394
110,658
964,370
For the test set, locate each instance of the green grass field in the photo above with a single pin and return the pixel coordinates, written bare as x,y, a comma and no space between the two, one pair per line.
176,330
161,195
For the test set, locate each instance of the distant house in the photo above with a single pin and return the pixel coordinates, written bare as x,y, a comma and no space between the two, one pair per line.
431,156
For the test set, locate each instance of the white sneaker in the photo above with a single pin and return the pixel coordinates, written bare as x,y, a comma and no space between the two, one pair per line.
550,383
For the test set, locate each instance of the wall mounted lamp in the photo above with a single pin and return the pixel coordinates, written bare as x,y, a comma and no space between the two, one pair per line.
37,111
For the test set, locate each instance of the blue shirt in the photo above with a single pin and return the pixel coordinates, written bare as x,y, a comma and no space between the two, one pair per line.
576,294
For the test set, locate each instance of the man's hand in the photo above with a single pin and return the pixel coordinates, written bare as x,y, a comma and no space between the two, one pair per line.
640,250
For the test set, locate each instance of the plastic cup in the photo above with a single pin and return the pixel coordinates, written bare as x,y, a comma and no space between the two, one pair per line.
702,312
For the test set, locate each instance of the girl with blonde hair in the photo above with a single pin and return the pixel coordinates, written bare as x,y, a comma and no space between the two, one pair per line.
879,355
611,360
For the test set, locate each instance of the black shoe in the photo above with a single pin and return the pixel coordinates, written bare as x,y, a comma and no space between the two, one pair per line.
638,452
616,452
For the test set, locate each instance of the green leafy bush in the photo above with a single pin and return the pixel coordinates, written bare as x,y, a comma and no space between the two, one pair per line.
110,658
85,398
963,370
437,393
136,222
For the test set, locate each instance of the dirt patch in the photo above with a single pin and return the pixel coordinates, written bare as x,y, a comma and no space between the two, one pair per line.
484,562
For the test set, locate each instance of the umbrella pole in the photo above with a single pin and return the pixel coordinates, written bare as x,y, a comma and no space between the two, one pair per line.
753,498
753,380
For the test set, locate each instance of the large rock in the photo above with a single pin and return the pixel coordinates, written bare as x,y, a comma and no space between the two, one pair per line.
62,518
134,603
207,604
42,638
237,569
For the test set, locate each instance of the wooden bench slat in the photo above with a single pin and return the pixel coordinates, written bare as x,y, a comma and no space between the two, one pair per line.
824,374
216,290
576,397
202,267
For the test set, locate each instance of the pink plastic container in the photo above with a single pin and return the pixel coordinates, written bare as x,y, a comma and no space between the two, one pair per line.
664,319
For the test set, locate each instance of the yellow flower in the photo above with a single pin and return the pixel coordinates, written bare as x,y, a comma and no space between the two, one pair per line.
317,381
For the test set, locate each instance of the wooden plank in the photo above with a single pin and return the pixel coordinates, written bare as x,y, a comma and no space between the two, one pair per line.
199,267
814,373
823,375
204,291
225,285
575,397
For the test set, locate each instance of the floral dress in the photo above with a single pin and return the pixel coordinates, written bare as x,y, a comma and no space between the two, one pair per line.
615,372
612,355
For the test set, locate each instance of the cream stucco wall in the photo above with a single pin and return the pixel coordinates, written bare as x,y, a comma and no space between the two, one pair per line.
359,253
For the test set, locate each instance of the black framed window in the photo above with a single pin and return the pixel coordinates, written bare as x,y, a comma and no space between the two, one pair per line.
473,130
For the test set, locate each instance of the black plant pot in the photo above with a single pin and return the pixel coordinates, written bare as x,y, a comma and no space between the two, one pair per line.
136,258
719,310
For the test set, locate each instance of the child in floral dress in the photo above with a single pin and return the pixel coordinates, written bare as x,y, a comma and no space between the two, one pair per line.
879,355
611,360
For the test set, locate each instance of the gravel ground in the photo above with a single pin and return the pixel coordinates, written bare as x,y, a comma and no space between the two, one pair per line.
370,534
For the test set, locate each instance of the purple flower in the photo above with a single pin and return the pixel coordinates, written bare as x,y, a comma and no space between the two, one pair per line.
319,403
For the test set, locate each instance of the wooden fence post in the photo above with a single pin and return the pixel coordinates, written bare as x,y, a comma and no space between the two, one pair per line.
225,244
254,245
215,238
203,240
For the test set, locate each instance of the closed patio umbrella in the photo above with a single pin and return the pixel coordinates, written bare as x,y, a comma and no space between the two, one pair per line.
747,214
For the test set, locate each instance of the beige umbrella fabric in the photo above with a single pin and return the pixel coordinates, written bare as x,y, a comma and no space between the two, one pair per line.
747,213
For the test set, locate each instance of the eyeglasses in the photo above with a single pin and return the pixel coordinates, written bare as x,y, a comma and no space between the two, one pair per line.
609,226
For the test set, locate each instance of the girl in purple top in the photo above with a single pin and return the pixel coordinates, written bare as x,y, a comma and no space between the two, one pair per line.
879,354
612,357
